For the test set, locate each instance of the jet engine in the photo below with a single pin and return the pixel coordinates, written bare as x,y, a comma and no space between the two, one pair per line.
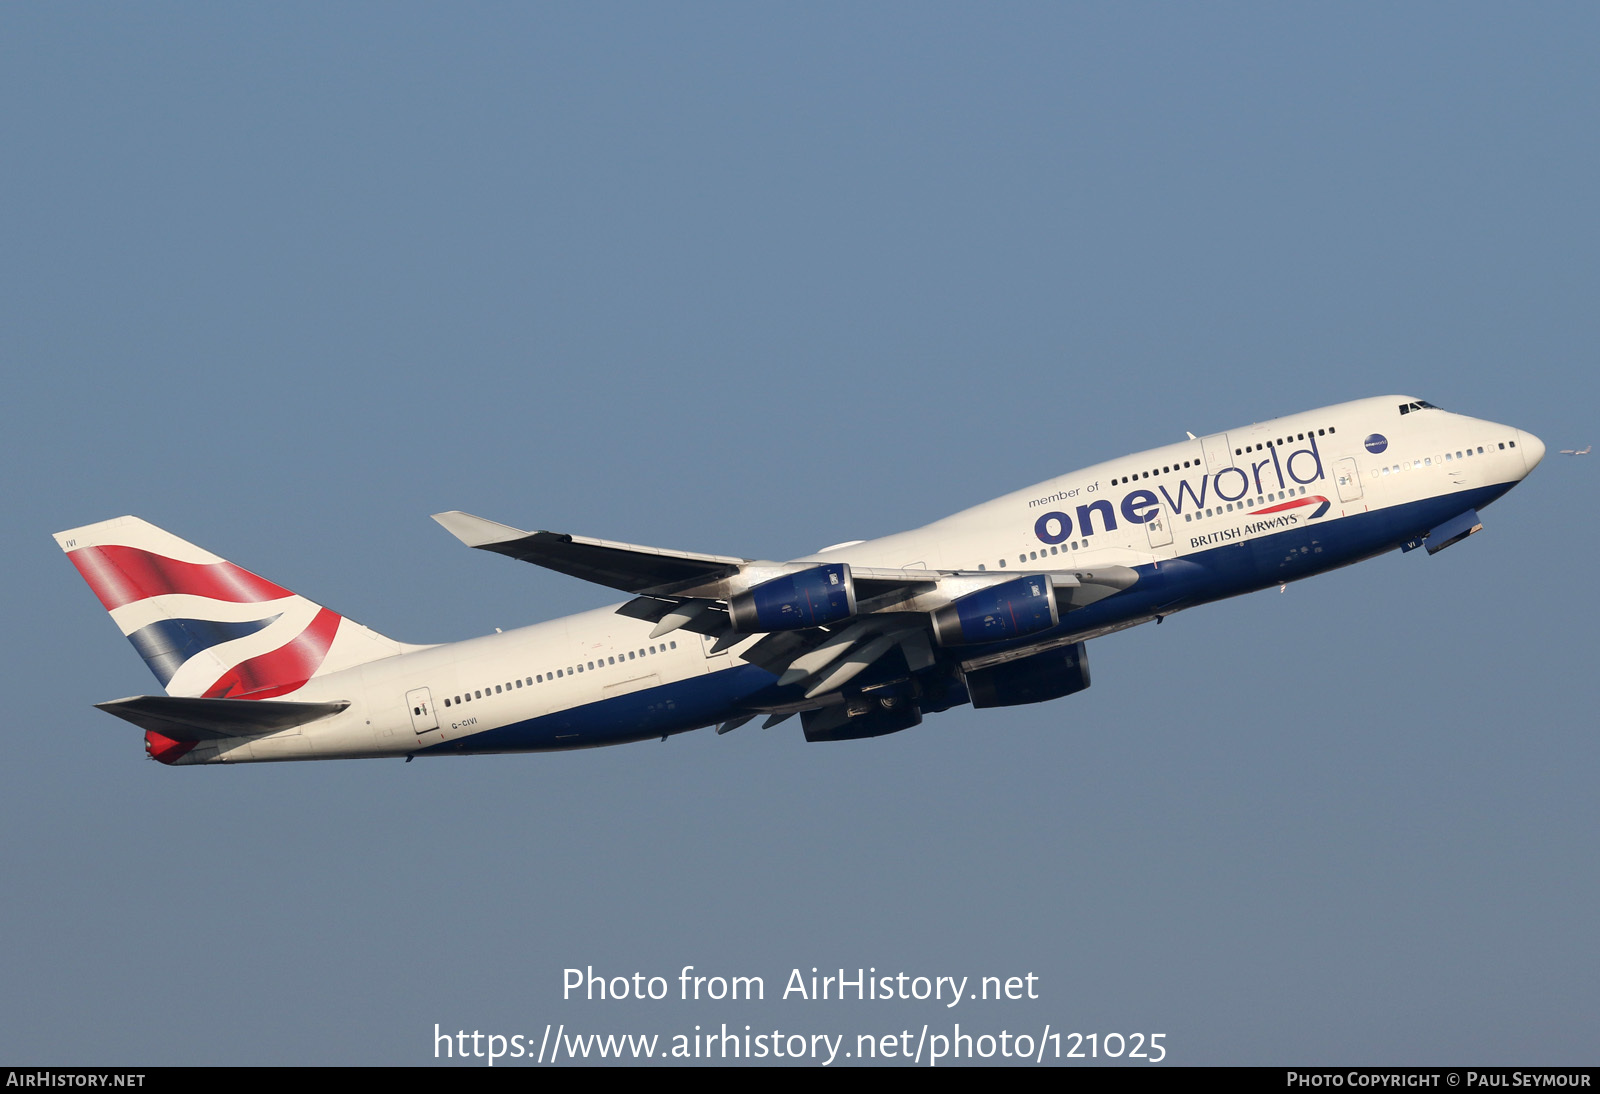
1036,679
1008,610
808,598
871,715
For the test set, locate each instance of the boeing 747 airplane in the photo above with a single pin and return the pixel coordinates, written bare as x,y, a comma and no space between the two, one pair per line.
992,606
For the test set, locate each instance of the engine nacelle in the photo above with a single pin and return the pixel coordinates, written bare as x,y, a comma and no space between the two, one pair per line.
1010,609
808,598
870,715
1036,679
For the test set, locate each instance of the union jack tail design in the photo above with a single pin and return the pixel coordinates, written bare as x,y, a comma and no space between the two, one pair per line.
206,627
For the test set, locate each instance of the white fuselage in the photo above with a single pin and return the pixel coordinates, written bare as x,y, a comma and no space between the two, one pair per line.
1200,519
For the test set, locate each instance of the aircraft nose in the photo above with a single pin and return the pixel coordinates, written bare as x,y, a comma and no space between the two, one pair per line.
1532,449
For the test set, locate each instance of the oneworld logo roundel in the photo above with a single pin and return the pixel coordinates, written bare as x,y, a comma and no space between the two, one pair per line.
1376,443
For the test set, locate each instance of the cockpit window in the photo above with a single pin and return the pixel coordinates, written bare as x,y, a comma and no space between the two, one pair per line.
1407,408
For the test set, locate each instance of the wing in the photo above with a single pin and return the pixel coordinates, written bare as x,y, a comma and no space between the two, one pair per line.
819,623
625,566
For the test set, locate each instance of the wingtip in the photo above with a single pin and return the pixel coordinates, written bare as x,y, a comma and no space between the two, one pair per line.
476,531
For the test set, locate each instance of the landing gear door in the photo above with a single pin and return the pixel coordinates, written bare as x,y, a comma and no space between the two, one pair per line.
1349,480
421,706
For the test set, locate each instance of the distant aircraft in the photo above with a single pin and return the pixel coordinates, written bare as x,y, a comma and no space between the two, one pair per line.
1584,451
992,606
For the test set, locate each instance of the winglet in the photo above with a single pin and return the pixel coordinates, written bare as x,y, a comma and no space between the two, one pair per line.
477,532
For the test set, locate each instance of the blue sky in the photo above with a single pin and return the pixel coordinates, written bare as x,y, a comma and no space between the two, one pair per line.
753,280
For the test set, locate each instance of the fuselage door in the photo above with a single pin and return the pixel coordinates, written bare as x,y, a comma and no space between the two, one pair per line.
1157,528
1219,453
1349,480
421,704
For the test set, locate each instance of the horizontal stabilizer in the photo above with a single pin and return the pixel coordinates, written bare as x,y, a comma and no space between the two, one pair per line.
184,719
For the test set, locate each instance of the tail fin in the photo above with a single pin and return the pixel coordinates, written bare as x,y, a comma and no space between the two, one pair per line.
206,627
